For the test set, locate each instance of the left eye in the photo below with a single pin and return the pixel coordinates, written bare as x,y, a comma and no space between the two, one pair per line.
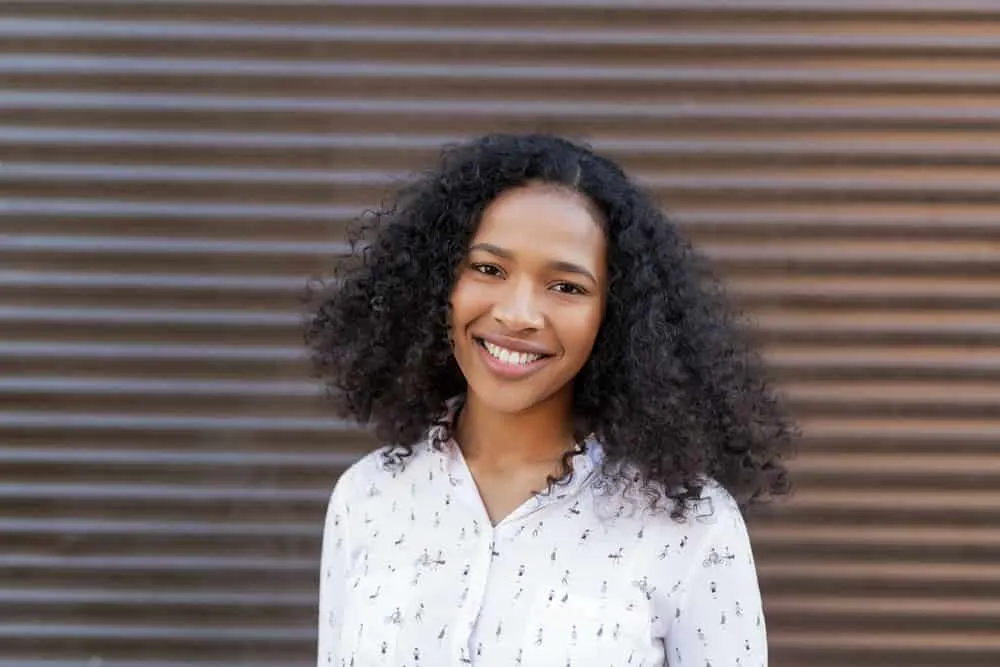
568,288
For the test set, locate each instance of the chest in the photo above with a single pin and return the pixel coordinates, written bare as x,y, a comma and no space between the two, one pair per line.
548,587
501,494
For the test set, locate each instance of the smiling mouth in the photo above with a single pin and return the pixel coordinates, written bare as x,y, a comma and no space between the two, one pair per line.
510,357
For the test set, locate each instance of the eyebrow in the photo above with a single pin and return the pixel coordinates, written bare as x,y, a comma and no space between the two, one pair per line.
557,265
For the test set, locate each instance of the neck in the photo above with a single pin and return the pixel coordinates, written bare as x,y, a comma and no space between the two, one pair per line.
500,441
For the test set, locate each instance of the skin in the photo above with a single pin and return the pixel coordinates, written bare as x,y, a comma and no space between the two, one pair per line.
535,277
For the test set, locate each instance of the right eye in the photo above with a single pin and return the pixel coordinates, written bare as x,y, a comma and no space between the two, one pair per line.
488,269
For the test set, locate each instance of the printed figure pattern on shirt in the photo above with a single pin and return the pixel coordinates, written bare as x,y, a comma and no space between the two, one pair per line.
413,573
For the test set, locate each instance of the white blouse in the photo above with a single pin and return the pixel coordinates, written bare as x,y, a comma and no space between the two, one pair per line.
413,573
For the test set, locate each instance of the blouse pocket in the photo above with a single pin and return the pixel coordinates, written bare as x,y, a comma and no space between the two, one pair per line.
566,629
375,610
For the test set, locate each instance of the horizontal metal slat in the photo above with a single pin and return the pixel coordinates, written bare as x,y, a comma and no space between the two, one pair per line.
175,317
195,399
56,137
775,324
970,504
142,598
165,493
871,572
942,184
955,325
809,398
157,564
151,282
32,172
917,467
896,220
403,147
472,35
75,662
918,433
941,393
878,536
136,351
151,456
898,115
959,642
863,361
180,362
884,615
891,253
916,255
786,326
918,292
121,632
878,8
43,420
155,527
914,609
791,76
179,210
117,386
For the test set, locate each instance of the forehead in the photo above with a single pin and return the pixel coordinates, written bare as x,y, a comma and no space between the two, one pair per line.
542,218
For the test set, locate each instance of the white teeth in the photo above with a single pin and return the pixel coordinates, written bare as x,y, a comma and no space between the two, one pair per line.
510,356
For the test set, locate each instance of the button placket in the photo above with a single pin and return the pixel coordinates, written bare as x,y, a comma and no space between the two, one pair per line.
473,594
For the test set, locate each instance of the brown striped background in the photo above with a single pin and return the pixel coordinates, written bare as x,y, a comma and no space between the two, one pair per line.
172,171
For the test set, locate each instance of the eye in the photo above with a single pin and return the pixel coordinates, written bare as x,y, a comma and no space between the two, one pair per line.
488,269
569,288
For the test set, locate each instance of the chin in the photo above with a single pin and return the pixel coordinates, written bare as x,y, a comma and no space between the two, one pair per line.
509,399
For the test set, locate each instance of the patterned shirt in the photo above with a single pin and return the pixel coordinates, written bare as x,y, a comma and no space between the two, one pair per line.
414,573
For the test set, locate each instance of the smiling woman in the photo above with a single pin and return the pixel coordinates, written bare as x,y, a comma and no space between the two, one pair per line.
572,423
528,301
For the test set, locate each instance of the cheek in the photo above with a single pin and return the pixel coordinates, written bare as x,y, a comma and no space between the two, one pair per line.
580,332
466,303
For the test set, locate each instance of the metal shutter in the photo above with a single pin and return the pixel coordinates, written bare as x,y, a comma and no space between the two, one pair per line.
172,172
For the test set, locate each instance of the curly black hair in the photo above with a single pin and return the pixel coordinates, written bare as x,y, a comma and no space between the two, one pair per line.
673,389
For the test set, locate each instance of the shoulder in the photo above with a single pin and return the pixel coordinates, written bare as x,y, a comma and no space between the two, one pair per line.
714,520
716,506
712,535
378,472
716,516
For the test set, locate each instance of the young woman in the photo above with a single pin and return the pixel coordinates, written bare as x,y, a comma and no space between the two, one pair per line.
572,422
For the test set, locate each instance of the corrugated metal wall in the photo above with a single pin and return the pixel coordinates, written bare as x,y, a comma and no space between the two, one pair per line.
171,172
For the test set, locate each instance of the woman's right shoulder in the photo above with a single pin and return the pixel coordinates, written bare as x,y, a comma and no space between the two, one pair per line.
380,468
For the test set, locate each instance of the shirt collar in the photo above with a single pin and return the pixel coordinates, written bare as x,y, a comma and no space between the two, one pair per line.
440,438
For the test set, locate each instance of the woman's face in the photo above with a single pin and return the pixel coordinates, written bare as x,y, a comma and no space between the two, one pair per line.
529,298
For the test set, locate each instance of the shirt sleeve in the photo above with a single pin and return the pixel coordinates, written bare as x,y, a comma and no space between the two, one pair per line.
720,620
334,568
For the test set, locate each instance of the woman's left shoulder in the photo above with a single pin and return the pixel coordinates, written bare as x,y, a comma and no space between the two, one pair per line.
715,504
714,516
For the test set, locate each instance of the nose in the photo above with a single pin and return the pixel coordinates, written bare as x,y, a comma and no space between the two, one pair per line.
518,309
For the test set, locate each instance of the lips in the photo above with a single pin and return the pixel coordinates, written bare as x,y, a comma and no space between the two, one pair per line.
513,360
512,344
508,356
